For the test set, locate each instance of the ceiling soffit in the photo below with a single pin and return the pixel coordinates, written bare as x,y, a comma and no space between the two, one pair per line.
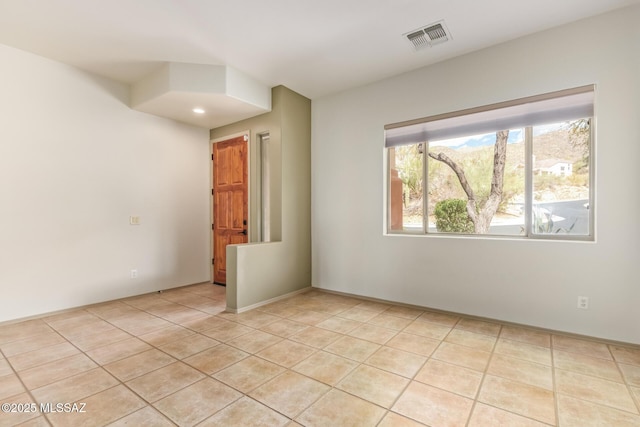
225,94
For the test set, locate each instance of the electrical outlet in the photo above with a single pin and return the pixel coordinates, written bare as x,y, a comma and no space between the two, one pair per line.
583,302
134,274
134,220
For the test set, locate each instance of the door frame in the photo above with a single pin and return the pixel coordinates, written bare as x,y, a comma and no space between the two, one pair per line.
247,134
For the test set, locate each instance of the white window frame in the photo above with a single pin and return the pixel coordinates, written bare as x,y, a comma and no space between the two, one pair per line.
418,131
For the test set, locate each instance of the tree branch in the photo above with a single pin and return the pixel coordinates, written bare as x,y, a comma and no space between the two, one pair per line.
471,204
441,157
482,219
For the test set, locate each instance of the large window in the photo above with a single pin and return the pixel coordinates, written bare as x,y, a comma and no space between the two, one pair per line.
519,168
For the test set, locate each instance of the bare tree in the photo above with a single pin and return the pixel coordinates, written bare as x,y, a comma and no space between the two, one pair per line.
481,216
579,136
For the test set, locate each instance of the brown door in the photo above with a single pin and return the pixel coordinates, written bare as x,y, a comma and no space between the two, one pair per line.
229,201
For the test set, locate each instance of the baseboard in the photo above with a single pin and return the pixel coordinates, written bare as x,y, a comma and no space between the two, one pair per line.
92,304
269,301
485,319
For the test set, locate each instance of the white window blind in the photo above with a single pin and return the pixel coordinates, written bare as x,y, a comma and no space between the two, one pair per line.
566,105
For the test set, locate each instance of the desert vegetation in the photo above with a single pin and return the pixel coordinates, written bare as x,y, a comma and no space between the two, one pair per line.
490,178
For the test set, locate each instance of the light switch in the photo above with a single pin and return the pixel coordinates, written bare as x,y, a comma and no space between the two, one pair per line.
134,220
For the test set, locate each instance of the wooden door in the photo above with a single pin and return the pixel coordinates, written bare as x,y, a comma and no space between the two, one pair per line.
230,195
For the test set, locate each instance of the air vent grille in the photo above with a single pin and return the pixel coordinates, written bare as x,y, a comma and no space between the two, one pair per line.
419,39
428,36
436,33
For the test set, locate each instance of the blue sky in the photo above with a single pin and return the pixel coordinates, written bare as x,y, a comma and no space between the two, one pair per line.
515,135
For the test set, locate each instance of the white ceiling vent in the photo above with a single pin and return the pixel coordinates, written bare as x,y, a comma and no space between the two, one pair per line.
428,36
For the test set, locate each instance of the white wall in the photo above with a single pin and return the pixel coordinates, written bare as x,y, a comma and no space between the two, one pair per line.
528,282
75,162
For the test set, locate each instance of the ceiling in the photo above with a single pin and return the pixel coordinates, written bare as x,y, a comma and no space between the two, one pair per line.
315,48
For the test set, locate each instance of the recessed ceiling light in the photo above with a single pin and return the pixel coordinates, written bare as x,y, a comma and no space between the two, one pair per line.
198,110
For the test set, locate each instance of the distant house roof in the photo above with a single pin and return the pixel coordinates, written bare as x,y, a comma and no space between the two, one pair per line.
547,163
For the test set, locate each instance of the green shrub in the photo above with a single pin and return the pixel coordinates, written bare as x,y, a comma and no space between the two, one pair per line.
451,217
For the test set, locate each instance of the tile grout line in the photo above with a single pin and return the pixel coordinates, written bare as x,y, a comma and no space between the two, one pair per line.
427,358
554,382
98,365
243,394
153,346
635,399
27,390
484,375
359,363
331,386
120,382
317,350
600,404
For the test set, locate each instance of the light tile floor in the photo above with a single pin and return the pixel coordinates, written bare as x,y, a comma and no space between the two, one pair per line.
316,359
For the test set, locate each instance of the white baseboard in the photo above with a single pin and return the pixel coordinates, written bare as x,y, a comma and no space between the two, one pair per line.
269,301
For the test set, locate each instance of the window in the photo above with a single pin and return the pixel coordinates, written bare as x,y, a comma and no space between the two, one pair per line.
518,168
265,187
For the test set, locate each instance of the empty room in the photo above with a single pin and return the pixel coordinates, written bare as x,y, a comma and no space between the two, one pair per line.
360,213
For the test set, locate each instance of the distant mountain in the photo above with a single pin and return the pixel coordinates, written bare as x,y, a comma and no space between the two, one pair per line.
553,144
